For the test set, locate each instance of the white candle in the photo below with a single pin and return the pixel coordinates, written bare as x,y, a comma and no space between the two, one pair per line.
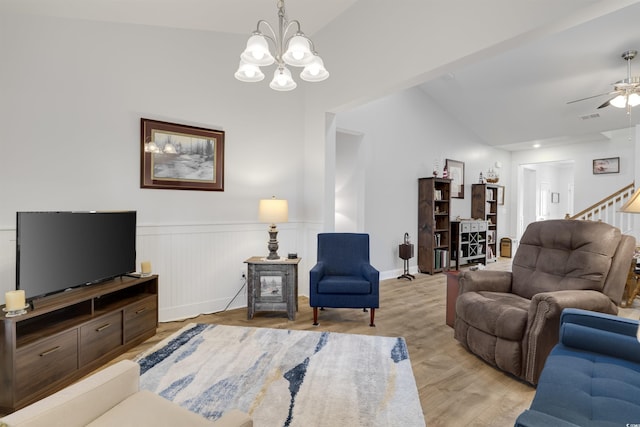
15,300
145,266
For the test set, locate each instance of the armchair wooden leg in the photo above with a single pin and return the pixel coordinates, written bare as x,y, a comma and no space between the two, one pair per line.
315,316
372,315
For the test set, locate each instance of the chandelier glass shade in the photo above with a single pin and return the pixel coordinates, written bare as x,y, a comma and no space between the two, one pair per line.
291,47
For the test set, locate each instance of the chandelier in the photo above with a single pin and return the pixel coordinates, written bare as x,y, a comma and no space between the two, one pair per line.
291,47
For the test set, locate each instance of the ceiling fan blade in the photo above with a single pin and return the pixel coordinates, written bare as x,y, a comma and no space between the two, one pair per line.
590,97
606,104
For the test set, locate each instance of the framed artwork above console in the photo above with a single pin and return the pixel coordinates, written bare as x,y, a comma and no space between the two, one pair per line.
180,157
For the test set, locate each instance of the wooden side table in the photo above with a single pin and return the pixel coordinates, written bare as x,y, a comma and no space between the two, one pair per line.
452,295
272,285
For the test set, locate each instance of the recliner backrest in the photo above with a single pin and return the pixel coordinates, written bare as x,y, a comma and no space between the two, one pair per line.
343,253
564,255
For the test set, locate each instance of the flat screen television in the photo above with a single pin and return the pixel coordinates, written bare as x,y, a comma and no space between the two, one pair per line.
56,251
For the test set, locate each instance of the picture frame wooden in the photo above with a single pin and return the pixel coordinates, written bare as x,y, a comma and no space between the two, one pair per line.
196,161
607,165
455,171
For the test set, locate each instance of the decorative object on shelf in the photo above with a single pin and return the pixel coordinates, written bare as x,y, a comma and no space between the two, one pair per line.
15,303
194,162
492,176
405,252
608,165
481,179
145,268
291,46
271,211
455,172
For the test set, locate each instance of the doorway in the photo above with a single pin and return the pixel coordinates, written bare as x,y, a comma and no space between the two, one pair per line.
349,182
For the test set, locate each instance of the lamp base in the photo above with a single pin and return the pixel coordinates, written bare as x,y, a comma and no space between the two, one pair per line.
273,243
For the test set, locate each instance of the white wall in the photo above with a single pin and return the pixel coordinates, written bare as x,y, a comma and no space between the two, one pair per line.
73,93
404,135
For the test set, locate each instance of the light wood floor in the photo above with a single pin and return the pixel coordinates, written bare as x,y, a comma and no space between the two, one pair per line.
455,387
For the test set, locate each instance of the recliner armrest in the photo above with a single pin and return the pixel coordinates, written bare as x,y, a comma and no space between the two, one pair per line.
484,280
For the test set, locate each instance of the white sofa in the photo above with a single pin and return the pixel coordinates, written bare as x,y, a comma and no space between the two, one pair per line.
112,397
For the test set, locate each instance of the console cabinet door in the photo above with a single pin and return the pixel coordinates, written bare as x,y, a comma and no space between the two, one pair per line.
99,337
141,318
40,364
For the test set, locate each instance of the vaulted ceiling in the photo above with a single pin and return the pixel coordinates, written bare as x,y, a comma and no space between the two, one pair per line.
510,100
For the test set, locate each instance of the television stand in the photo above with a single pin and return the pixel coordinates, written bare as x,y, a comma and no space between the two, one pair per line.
68,335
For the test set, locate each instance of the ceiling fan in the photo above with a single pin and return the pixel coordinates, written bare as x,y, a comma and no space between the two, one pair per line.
626,92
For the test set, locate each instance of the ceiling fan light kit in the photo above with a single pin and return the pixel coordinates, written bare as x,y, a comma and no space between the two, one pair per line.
626,92
291,46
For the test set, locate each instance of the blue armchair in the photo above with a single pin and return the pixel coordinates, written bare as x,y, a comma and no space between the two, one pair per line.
592,376
343,276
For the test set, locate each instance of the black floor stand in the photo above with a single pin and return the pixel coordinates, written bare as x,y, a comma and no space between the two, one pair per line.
405,251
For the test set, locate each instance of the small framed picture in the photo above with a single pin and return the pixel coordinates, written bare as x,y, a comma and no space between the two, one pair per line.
456,173
608,165
555,197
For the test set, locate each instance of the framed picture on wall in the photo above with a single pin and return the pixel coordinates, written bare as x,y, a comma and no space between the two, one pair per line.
180,157
608,165
456,173
555,197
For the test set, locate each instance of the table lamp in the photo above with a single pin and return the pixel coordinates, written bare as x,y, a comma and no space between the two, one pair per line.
633,206
271,211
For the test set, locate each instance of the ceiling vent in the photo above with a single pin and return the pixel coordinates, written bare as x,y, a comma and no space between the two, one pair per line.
590,116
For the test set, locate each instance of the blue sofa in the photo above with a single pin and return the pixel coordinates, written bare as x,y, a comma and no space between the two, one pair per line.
591,377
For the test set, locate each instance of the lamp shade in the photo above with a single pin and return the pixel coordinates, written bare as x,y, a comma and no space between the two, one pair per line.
257,51
314,71
249,73
619,101
282,80
298,53
273,210
633,204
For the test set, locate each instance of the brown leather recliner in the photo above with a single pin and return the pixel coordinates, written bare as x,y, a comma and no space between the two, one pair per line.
511,318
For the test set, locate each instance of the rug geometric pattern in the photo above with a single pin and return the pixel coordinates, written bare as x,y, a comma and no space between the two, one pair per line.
284,377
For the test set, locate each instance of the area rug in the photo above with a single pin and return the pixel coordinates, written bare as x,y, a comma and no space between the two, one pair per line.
284,377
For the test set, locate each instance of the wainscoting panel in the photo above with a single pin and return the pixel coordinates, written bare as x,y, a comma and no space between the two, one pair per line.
200,267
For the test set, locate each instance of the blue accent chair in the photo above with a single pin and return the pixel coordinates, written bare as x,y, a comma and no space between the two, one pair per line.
343,276
591,377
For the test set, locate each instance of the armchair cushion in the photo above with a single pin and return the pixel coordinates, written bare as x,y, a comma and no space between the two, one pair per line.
344,285
563,255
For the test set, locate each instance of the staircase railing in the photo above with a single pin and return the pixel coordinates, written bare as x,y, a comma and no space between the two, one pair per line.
608,210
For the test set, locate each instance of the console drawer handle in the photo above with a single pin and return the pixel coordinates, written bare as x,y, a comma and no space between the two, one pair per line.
103,327
142,310
48,352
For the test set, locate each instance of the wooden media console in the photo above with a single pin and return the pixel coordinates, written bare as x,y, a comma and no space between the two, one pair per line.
68,335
